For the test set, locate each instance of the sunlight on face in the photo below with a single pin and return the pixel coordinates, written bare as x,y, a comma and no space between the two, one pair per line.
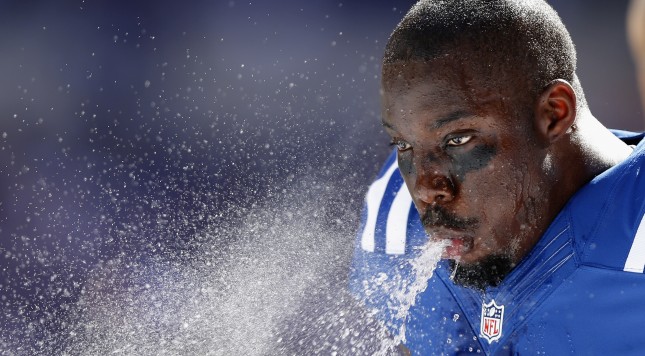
468,160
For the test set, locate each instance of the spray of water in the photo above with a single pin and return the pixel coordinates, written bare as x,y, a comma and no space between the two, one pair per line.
271,283
422,268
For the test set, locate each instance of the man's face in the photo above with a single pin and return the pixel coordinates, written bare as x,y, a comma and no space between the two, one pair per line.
470,161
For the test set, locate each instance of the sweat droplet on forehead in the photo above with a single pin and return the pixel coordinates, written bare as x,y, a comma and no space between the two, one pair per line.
454,83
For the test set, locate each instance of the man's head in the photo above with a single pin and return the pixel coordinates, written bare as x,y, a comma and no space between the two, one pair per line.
477,98
524,39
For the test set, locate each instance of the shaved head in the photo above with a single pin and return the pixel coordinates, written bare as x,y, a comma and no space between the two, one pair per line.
520,42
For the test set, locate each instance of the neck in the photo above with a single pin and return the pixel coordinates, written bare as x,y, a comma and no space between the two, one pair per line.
596,148
589,150
575,159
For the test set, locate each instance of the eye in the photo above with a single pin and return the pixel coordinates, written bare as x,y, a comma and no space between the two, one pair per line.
400,145
459,140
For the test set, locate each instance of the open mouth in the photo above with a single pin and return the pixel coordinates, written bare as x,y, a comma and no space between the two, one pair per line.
457,247
456,243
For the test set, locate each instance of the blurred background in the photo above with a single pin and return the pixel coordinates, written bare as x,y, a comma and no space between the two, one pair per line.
161,162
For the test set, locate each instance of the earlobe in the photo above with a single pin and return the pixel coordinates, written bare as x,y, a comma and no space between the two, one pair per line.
556,110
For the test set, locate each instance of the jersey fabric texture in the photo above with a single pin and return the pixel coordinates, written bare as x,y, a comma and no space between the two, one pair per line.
580,290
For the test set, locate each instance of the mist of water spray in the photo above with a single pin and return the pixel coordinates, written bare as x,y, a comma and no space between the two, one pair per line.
422,268
272,283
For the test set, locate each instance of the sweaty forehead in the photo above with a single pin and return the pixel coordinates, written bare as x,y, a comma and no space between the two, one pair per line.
443,84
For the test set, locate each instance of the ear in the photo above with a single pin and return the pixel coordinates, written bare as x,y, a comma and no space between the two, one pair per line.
556,110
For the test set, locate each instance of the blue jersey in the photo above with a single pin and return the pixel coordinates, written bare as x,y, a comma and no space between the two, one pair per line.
580,290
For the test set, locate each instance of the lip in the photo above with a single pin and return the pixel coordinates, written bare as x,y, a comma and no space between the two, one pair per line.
456,243
455,249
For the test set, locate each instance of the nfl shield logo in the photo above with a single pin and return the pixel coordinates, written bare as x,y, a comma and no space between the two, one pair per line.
492,320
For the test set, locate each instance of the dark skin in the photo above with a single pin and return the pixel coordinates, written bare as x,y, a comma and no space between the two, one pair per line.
488,166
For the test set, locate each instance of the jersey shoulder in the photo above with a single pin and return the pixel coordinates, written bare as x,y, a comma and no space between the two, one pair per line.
606,217
390,222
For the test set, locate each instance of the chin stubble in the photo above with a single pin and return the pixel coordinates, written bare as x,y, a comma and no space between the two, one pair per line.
489,272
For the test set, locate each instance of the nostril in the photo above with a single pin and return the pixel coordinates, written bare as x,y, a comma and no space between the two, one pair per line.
435,189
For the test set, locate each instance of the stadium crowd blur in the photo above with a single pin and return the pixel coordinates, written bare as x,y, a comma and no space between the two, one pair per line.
127,128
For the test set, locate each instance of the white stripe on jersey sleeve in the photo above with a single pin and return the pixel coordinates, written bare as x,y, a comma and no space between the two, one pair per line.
373,201
397,222
636,259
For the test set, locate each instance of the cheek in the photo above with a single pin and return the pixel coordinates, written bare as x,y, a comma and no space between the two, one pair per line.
498,190
474,160
405,165
508,204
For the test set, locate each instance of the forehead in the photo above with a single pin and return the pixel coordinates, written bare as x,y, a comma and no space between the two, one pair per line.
447,83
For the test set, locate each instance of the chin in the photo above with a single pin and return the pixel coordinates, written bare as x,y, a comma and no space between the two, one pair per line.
489,271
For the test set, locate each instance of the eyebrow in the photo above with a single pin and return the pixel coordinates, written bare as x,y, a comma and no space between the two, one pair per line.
453,116
385,124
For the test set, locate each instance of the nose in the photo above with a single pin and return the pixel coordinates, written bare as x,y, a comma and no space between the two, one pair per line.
434,187
429,181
